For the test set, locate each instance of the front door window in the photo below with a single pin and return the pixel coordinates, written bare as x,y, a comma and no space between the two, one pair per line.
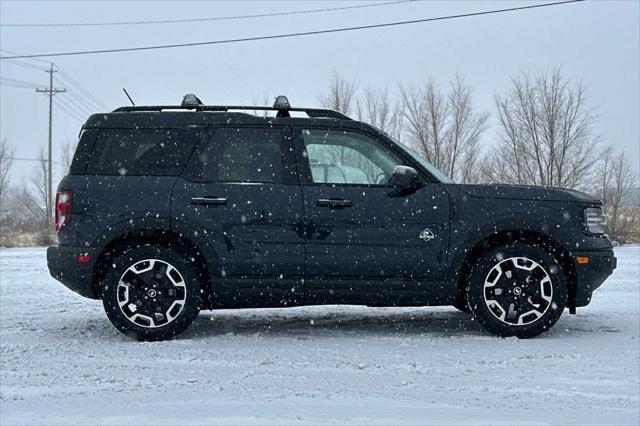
347,158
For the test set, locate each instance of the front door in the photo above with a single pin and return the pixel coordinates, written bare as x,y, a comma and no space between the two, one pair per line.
366,244
240,192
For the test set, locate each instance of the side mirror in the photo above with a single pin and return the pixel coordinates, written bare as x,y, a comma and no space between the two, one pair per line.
405,180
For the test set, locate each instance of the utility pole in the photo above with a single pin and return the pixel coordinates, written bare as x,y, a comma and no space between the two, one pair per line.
51,92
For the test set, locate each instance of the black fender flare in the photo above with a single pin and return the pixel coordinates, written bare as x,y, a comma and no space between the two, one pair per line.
500,231
155,229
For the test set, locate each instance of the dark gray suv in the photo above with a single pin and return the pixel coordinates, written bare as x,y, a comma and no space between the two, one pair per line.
167,210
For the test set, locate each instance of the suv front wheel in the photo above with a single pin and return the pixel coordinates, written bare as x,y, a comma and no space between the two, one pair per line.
517,290
151,293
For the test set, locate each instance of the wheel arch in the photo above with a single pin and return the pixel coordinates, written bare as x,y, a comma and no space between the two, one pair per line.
497,239
207,269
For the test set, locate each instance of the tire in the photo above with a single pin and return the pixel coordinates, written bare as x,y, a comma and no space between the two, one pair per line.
151,293
462,305
517,290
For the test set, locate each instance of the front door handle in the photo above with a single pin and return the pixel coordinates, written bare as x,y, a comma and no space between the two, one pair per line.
334,203
207,201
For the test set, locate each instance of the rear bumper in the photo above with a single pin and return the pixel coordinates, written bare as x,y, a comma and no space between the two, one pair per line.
591,275
65,267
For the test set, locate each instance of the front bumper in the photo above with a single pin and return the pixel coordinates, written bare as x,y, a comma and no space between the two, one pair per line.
591,275
65,266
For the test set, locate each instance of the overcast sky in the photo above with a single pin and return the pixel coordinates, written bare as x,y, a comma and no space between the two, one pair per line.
596,41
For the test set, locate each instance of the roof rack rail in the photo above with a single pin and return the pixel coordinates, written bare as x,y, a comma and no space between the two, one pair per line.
281,105
311,112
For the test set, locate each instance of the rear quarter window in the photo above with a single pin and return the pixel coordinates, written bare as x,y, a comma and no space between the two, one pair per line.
83,151
141,152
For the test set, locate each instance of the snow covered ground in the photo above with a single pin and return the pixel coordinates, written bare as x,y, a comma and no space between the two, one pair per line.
63,363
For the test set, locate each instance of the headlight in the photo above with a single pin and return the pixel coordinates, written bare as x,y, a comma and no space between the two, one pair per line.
595,220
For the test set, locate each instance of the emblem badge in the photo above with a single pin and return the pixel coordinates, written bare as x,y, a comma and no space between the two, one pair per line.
427,235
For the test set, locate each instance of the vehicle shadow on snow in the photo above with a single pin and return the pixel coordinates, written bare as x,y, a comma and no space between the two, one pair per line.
340,321
349,321
336,322
305,322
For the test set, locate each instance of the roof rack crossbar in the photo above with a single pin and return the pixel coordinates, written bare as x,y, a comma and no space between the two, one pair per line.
311,112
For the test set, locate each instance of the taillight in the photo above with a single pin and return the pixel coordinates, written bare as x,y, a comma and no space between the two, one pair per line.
63,208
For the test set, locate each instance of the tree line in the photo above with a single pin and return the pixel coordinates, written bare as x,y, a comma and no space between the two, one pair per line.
23,203
545,131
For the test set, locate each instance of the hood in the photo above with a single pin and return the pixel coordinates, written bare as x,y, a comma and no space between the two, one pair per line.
527,192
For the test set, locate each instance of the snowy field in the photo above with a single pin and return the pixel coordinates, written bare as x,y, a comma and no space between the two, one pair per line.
63,363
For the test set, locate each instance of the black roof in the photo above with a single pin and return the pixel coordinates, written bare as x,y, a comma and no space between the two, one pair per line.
193,112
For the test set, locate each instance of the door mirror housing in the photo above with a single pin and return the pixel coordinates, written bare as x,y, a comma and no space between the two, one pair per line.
405,180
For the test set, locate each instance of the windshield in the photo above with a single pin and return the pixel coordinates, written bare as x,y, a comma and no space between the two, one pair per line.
439,174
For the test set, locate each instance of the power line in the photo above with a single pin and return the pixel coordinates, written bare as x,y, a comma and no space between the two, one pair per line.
18,83
70,113
86,93
82,103
82,90
15,86
20,54
91,99
217,18
289,35
25,64
73,107
13,80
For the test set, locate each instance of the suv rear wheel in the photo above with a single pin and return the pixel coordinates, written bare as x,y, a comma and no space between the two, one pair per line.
151,293
517,290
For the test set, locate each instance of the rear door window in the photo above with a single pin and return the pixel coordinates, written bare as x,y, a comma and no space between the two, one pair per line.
139,152
240,155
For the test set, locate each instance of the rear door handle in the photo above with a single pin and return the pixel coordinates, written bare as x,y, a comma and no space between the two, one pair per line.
216,201
334,203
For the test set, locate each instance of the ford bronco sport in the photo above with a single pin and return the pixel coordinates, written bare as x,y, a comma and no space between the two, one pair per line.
168,210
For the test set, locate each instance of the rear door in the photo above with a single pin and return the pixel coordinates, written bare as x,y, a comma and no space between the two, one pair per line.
365,244
240,191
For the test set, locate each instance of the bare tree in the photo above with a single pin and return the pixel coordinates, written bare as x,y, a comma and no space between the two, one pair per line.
6,161
615,181
465,130
546,133
378,109
263,100
444,128
25,223
374,107
341,95
66,156
38,191
425,112
34,198
28,221
31,207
